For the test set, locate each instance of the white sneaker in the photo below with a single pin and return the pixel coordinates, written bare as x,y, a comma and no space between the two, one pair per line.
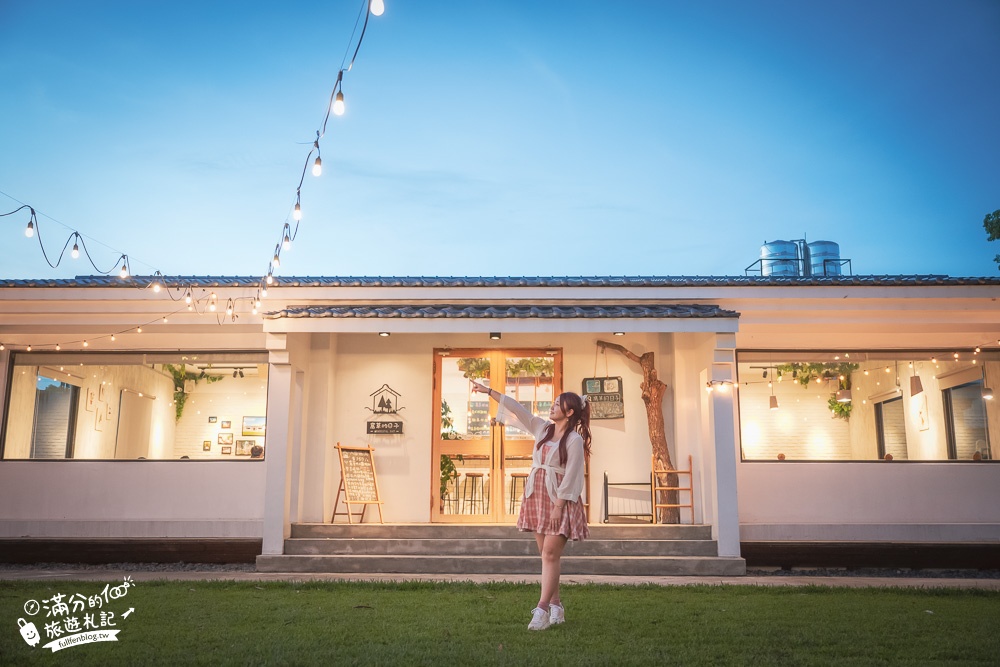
539,619
557,614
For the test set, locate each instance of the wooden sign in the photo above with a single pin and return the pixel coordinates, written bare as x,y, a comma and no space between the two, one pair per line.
358,483
605,397
385,428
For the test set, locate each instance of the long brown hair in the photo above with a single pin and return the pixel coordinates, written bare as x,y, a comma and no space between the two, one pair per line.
579,421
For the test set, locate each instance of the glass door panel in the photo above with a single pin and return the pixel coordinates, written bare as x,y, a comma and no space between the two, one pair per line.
479,467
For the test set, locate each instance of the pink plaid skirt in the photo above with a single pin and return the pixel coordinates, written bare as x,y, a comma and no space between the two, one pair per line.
536,509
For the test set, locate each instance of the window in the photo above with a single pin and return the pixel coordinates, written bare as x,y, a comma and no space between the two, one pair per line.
965,421
918,405
136,406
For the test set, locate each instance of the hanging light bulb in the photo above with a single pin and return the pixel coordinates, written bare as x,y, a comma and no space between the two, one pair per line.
138,330
253,311
29,348
275,261
774,402
123,274
214,297
297,211
29,231
286,243
1,347
263,293
187,297
58,347
112,338
156,286
75,253
270,280
987,394
377,7
211,306
86,344
318,166
338,104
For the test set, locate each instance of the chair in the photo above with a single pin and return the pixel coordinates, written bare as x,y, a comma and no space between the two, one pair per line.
516,479
474,491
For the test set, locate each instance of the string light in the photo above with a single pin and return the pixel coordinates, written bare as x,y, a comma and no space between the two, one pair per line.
336,105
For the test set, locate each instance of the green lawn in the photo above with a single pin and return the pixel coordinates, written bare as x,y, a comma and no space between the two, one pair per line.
247,623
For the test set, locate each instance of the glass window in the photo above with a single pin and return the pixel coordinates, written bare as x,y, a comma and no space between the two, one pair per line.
136,406
922,405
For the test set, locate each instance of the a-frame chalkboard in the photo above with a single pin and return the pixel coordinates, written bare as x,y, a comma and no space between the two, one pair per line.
358,483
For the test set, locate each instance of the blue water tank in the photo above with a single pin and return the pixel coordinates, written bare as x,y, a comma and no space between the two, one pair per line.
779,258
824,258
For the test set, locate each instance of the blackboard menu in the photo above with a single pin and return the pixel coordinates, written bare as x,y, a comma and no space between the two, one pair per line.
358,471
605,397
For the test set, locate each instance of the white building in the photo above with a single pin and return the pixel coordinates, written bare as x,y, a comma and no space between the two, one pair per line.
109,433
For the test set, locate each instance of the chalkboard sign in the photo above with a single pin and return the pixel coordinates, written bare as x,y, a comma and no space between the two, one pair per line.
357,481
605,397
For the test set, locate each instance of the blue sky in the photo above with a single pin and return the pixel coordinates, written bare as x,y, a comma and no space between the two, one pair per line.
501,138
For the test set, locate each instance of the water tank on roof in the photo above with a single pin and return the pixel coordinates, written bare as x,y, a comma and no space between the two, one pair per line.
779,258
824,258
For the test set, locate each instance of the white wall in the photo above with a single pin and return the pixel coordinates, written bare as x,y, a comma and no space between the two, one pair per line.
876,501
131,498
228,400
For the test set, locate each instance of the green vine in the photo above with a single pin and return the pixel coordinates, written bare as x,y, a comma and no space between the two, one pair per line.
839,410
448,471
180,376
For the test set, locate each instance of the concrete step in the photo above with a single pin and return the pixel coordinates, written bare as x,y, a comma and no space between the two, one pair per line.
505,565
520,546
494,531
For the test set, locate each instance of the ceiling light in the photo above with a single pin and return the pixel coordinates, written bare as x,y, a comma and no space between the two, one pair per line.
619,333
774,402
987,394
844,396
383,334
494,335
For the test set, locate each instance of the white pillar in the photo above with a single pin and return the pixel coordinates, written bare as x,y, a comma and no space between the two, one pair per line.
721,435
279,447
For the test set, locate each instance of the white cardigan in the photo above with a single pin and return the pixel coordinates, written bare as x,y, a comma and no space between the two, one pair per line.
571,487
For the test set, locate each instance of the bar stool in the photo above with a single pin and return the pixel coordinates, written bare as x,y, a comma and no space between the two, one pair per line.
474,492
516,479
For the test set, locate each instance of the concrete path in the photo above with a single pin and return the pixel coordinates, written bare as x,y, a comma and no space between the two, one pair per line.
36,574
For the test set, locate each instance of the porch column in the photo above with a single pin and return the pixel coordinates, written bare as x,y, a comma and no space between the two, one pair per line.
723,434
279,450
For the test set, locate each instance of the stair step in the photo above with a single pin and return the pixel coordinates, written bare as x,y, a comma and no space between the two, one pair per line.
493,547
499,565
495,531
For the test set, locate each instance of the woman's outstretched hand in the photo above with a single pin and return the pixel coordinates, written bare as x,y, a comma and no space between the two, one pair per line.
480,388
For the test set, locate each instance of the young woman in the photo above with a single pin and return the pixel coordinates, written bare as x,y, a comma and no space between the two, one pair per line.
552,507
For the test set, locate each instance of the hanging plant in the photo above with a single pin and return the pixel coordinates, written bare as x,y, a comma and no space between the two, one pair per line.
180,376
839,410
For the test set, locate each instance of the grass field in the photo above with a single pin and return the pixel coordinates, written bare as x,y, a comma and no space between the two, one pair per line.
422,623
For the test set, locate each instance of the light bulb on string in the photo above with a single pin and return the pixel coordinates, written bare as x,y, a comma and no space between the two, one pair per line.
58,347
286,243
270,279
75,253
377,7
263,293
276,262
318,166
338,104
187,298
297,211
86,344
156,286
211,306
29,231
112,338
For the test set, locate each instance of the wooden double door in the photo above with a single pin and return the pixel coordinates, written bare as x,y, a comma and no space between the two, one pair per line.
478,466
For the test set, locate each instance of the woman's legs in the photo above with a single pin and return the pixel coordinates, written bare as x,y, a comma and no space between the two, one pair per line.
550,547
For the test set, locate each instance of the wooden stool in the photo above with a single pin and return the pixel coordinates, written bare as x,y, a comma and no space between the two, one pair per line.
474,492
516,479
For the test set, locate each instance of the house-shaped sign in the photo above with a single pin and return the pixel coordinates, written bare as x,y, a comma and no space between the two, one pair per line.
385,404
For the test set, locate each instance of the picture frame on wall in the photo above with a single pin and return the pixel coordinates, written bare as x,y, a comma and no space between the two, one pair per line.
91,399
99,418
212,420
102,392
225,438
206,446
243,447
227,450
253,426
227,424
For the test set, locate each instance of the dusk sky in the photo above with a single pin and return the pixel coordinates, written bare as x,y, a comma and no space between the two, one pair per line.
503,138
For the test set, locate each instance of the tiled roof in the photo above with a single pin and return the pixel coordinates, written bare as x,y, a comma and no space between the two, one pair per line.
556,281
504,312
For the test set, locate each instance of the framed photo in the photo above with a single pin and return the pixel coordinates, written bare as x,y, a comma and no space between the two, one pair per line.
253,426
212,420
227,450
206,445
102,392
225,438
227,424
99,418
243,447
109,412
91,399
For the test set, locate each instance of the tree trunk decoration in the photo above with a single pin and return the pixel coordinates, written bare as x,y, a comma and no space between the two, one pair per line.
652,396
